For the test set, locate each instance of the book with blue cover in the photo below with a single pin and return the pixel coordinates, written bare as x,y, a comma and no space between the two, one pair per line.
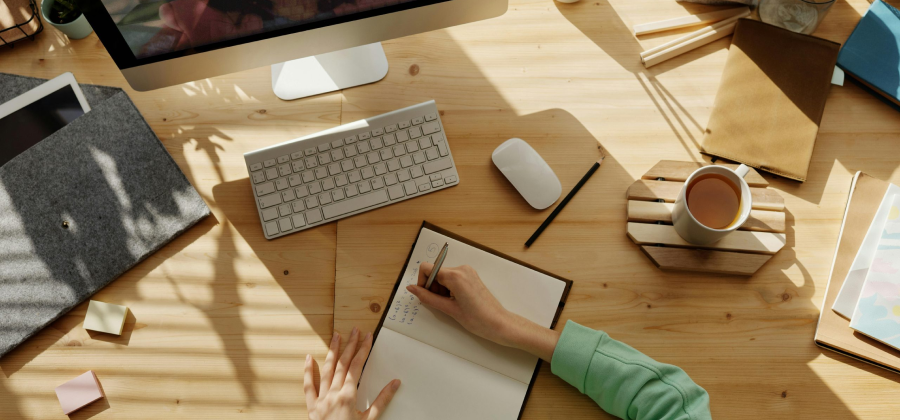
871,54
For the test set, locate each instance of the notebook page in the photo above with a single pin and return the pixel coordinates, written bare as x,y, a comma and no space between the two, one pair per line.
435,385
519,289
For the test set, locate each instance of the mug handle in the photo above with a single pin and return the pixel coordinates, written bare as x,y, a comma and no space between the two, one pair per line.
742,170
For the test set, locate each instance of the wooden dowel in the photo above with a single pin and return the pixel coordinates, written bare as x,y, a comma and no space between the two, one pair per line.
686,21
688,46
693,35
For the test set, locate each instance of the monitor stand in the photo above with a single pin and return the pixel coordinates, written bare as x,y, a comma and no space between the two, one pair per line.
329,72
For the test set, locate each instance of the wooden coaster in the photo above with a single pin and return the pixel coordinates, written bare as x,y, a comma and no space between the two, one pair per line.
742,252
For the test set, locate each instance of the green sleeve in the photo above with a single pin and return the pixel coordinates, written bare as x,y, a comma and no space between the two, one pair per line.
623,381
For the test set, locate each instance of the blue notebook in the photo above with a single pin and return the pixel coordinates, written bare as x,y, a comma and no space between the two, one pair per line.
872,53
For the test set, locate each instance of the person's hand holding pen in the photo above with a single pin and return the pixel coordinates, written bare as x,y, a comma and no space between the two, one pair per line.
460,293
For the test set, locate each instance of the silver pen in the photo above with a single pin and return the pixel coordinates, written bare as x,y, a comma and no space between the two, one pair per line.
437,265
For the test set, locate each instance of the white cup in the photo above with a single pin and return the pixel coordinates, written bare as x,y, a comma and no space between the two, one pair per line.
697,233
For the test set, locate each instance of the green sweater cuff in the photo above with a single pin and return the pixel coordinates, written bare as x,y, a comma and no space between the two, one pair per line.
574,352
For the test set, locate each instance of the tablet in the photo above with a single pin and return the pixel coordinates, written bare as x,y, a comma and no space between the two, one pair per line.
32,116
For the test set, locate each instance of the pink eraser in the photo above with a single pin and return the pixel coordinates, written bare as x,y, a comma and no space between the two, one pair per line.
79,392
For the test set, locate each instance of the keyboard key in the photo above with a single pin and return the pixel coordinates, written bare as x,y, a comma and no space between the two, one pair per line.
364,136
432,153
297,155
263,189
335,168
410,187
442,147
281,183
340,180
314,188
390,179
389,140
376,143
311,151
311,162
360,161
391,128
269,200
416,171
311,202
337,143
256,167
285,224
437,138
417,121
437,183
287,195
424,142
434,177
271,173
269,214
430,117
258,177
418,157
412,146
380,169
393,165
386,154
396,192
313,216
284,210
308,176
284,170
367,172
272,228
403,175
403,124
377,132
324,146
402,136
373,157
328,184
364,187
284,159
350,151
405,161
354,176
399,150
355,204
450,179
337,194
350,140
351,191
294,180
431,128
347,165
297,220
324,159
437,165
336,155
324,198
415,132
298,206
321,173
297,165
301,191
363,147
269,163
377,183
424,187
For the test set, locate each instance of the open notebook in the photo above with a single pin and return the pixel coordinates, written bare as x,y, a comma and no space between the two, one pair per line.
448,373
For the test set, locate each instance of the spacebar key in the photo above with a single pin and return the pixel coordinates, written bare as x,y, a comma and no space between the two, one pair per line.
354,204
437,165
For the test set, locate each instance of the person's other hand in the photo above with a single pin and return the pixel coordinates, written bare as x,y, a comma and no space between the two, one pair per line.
335,398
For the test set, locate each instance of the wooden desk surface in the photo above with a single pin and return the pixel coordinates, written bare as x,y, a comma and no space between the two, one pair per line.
222,318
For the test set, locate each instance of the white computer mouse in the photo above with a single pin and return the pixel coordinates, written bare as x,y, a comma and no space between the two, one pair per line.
528,172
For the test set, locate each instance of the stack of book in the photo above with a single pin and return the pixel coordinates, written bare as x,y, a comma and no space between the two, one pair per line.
870,55
861,314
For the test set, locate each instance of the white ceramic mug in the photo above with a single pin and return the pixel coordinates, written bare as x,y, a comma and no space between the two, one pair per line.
697,233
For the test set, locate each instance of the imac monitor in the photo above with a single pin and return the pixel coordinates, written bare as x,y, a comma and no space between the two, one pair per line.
157,43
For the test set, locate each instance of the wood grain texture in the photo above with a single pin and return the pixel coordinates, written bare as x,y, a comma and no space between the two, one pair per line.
673,170
704,260
220,332
741,240
644,189
652,212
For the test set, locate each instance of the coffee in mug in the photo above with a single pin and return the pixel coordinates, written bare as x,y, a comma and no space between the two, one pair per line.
714,200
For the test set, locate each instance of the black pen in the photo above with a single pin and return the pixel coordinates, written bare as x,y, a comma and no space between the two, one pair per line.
563,203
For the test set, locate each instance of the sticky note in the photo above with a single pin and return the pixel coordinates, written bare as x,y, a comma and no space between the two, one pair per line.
838,77
105,317
79,392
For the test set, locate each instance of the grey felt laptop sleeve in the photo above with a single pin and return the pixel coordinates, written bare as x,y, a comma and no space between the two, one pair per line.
107,176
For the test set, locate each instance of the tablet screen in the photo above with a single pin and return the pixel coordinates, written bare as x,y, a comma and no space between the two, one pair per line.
34,122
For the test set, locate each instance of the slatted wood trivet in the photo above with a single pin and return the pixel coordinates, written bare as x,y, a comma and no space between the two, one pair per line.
743,252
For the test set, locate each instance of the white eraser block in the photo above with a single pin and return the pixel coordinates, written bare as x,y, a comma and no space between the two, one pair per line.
105,317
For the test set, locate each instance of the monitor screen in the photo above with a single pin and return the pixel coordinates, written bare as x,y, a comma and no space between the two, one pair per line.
32,123
157,29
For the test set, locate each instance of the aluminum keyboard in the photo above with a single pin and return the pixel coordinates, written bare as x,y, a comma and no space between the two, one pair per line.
350,169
